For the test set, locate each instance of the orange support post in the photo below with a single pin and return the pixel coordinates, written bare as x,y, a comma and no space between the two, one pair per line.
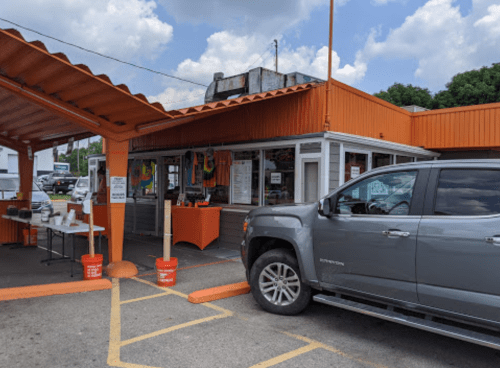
25,175
116,164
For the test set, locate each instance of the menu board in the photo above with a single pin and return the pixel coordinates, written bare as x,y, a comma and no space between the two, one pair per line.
242,181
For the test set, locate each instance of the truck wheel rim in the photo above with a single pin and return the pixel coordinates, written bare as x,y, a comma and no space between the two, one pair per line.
279,284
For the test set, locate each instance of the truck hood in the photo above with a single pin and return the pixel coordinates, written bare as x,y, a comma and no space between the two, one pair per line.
305,212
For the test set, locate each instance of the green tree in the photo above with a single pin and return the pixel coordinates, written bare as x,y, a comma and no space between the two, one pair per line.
405,95
474,87
72,159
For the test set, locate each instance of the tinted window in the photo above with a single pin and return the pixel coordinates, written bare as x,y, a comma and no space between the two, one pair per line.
385,194
468,193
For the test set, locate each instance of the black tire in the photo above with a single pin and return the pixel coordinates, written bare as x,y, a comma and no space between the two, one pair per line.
286,296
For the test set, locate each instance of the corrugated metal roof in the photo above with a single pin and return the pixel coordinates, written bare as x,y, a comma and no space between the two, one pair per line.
45,98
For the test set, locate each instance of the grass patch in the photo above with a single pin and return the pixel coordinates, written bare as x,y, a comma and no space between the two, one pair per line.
65,197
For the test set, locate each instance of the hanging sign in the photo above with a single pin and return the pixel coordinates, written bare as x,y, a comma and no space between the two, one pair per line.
355,171
118,189
242,181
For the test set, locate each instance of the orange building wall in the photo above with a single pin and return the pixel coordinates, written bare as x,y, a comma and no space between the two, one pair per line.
352,111
296,114
470,127
356,112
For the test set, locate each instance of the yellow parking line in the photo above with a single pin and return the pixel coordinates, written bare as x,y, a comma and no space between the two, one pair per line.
115,331
173,328
284,357
333,350
144,298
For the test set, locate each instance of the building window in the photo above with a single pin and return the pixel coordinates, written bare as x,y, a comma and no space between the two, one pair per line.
172,178
355,165
403,159
142,179
245,178
279,176
381,159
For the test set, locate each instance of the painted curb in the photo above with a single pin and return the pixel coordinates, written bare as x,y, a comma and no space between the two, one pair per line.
35,291
219,292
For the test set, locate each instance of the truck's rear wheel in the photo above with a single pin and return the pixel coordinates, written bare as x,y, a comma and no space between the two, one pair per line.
276,284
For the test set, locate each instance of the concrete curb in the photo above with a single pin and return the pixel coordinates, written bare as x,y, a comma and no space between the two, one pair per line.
34,291
219,292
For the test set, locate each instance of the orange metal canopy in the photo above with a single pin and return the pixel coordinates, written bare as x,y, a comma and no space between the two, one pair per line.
45,99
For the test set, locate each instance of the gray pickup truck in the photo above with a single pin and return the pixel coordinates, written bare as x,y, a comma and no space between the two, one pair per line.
59,182
417,244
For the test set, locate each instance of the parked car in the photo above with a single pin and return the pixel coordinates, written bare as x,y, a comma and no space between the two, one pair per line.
416,243
41,179
60,182
9,186
81,189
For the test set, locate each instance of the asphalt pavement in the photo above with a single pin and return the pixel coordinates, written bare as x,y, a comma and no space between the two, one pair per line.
138,324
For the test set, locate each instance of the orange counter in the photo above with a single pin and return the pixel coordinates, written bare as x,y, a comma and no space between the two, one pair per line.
199,226
100,215
8,227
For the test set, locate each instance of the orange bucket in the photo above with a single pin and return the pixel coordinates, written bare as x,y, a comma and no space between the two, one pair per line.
166,271
92,267
30,241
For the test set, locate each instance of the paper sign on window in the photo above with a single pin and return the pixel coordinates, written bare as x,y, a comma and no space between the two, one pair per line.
355,171
118,189
275,178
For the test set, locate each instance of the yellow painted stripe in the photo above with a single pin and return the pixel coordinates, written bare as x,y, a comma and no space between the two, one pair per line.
115,326
173,328
333,350
284,357
143,298
115,331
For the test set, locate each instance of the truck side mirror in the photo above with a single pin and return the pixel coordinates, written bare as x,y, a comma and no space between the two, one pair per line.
325,206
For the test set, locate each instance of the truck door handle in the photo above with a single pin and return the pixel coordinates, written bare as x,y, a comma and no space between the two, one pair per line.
391,232
493,239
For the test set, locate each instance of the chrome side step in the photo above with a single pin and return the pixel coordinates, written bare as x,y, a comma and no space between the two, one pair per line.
423,324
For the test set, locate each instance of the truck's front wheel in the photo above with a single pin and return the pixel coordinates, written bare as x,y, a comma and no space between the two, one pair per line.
276,284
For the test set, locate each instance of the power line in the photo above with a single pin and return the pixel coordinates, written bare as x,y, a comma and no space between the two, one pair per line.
102,55
260,57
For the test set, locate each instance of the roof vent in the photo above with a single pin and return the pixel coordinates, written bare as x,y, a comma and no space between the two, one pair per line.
256,80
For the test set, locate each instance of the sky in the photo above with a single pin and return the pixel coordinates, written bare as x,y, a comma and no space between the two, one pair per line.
375,42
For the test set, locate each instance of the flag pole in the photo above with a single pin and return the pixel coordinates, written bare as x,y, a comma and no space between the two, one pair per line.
328,91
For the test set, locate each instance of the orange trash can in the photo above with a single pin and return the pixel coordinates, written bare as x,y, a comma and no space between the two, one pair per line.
30,237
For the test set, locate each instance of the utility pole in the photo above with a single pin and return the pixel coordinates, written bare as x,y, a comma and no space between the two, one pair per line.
327,94
276,46
78,156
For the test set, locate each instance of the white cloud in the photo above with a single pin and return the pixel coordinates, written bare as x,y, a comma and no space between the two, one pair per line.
442,40
179,97
121,28
490,22
233,54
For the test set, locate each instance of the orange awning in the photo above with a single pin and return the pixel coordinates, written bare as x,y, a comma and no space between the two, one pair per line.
44,98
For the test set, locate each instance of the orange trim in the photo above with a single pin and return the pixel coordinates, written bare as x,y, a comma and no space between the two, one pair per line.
219,292
35,291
